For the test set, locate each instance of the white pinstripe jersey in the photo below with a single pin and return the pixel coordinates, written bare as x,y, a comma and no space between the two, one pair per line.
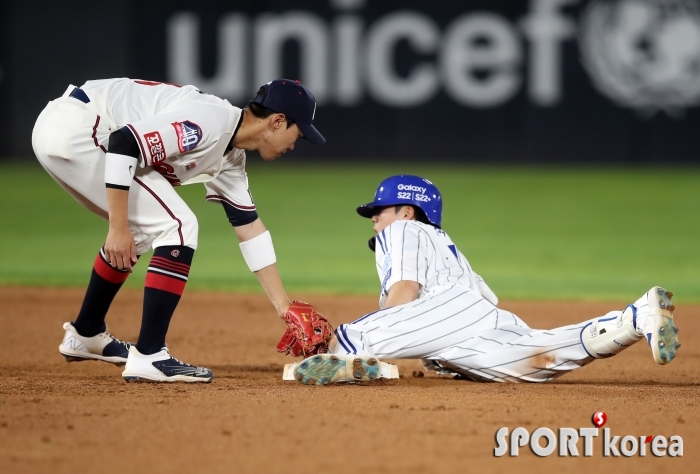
181,132
411,250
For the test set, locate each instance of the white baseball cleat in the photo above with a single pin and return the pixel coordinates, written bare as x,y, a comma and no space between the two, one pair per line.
322,369
610,334
162,367
104,347
654,320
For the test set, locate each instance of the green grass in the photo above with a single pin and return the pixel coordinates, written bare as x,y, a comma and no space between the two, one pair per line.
532,233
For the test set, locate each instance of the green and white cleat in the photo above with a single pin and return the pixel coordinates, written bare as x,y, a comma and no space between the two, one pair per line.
658,326
323,369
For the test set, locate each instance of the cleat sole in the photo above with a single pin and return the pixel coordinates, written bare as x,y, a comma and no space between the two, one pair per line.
664,340
324,369
70,358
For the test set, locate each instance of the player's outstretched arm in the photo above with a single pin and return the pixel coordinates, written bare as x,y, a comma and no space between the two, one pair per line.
259,254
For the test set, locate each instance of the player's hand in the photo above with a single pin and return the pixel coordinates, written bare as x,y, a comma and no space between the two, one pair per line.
120,248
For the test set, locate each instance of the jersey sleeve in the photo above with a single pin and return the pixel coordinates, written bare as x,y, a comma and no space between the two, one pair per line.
187,128
408,254
231,185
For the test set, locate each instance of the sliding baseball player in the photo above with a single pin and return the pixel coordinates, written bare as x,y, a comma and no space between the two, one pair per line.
434,307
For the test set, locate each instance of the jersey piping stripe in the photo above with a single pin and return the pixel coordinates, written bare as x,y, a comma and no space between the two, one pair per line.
340,340
94,135
174,275
216,197
342,329
580,336
138,139
167,209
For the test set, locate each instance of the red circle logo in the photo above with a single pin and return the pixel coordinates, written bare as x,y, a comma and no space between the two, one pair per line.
599,418
175,253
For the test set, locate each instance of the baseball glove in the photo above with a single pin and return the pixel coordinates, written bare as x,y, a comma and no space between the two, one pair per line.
308,331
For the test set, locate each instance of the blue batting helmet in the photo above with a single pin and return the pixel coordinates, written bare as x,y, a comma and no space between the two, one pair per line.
410,191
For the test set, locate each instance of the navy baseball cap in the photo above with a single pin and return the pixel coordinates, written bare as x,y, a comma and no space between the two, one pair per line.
291,98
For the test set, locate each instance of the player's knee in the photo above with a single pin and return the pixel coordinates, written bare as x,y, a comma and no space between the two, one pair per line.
190,231
181,230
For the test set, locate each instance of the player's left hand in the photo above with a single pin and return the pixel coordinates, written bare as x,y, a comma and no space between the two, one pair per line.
308,331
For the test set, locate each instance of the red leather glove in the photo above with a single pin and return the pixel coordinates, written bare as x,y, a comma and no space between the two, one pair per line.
308,331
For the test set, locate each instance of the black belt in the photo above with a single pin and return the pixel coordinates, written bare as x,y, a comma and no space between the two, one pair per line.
79,94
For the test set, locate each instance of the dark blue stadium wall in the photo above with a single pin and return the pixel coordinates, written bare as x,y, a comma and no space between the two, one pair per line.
539,81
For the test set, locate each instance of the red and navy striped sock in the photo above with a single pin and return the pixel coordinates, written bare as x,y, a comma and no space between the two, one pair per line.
105,282
165,282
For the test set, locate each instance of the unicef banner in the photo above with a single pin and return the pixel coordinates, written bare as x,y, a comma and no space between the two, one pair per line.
552,81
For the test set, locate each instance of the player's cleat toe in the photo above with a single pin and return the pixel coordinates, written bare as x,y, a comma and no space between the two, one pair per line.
103,346
324,369
162,367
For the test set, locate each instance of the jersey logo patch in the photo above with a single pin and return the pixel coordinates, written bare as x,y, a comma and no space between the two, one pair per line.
189,134
155,147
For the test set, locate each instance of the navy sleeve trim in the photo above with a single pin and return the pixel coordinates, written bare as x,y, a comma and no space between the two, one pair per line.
117,186
238,217
123,142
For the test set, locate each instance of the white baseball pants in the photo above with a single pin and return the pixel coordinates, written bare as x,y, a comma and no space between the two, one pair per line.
466,334
70,141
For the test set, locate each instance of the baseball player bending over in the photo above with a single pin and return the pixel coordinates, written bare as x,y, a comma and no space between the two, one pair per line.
434,307
118,146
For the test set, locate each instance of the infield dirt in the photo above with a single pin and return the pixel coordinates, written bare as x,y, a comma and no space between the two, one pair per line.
82,417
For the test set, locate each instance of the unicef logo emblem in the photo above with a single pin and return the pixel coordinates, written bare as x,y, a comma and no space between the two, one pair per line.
644,54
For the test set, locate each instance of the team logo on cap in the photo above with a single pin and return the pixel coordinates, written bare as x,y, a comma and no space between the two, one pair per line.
189,134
